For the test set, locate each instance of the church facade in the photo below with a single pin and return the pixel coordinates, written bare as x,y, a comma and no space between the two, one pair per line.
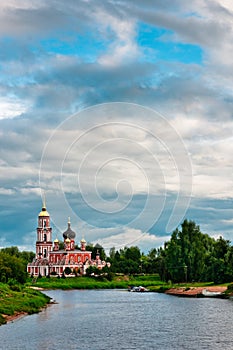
50,259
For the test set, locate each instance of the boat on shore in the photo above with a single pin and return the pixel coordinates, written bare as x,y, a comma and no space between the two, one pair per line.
207,293
138,289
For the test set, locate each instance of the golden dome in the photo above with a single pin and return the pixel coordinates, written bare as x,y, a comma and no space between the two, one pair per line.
67,240
83,240
56,241
44,213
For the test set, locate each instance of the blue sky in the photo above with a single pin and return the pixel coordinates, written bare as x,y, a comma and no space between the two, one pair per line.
121,113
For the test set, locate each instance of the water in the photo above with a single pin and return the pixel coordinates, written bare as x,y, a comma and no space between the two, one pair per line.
116,319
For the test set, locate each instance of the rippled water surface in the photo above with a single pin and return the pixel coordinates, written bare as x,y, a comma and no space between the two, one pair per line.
116,319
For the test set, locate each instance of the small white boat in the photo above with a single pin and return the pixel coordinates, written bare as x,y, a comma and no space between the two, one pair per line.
208,293
138,289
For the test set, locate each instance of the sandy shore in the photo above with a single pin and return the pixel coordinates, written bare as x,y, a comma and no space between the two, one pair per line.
14,317
195,291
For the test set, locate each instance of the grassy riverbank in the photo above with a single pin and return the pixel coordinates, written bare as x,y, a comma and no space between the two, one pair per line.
18,300
152,282
119,282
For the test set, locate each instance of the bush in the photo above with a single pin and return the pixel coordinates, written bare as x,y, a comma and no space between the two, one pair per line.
2,320
67,270
229,289
53,273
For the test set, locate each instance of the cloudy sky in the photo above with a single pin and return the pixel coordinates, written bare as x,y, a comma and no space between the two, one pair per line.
121,112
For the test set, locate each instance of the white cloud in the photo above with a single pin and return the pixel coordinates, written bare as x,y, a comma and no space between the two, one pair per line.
6,191
123,48
11,107
131,237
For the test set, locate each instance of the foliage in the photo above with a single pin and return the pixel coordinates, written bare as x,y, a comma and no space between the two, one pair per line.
98,282
188,256
14,251
126,261
92,270
12,267
13,264
191,256
24,300
229,290
67,270
61,245
96,249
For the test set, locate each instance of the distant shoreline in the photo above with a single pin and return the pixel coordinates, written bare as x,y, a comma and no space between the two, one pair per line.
197,291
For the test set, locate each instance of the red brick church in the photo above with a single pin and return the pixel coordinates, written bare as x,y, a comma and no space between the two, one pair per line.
50,259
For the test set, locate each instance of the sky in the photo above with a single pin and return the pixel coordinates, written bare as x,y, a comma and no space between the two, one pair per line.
120,112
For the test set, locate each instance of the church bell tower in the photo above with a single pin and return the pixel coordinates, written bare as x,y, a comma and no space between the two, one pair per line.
44,242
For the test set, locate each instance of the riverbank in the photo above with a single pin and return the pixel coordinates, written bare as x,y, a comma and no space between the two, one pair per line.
16,316
209,291
151,282
17,301
98,282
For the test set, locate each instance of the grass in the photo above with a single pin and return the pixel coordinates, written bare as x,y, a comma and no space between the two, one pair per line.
20,300
152,282
118,282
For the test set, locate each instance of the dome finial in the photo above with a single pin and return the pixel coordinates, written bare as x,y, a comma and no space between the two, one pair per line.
43,200
68,219
44,210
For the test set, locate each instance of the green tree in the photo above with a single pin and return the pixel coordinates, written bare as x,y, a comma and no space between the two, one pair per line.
12,267
185,255
100,250
67,270
92,270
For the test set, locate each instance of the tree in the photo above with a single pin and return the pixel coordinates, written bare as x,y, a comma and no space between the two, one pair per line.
133,253
100,250
67,270
185,255
112,253
221,247
92,270
12,267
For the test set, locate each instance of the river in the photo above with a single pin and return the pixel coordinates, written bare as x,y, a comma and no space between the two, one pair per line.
117,319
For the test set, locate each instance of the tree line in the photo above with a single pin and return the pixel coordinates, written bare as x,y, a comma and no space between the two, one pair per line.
13,265
189,256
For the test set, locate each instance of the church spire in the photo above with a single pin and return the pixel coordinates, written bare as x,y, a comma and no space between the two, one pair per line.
43,210
43,201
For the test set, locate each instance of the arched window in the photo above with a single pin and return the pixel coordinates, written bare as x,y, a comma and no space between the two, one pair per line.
45,253
45,237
